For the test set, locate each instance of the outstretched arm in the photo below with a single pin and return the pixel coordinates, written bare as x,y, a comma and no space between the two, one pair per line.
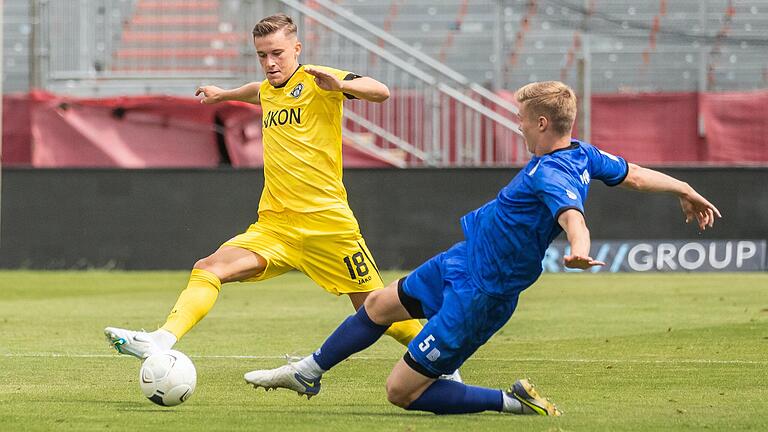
694,206
247,93
575,228
362,88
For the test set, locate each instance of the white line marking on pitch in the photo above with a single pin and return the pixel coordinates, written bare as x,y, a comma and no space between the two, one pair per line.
550,360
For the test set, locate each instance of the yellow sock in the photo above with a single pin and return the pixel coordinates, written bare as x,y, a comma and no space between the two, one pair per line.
193,303
404,331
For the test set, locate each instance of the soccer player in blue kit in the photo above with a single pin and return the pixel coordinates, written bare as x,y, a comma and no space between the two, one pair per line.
471,290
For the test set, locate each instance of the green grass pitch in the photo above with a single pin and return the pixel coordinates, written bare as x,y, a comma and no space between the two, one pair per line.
682,352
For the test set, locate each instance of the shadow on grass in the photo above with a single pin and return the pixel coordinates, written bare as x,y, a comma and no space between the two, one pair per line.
144,407
351,411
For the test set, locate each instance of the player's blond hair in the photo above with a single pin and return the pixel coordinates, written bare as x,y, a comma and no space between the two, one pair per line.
274,23
553,100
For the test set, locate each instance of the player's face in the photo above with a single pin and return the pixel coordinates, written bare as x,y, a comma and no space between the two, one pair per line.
278,54
527,126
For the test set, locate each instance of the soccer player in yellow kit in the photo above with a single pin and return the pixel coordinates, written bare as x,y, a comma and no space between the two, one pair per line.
305,222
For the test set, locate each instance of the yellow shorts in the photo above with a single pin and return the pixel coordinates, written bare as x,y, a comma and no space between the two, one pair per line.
326,246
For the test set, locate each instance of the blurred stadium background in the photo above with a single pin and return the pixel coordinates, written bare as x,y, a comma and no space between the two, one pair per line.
109,162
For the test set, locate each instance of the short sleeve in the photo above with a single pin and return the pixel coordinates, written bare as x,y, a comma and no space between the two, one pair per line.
342,75
557,189
610,169
349,77
339,73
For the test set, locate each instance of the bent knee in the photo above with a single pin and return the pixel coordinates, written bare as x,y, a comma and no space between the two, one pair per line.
376,307
206,264
213,265
382,299
399,395
372,300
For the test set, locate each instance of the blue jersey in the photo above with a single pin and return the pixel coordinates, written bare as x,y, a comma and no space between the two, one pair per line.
507,237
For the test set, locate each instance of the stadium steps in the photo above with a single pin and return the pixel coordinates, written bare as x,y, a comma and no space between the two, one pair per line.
175,52
179,5
177,36
621,27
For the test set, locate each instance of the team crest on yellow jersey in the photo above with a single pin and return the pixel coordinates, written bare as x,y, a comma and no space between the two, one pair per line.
296,92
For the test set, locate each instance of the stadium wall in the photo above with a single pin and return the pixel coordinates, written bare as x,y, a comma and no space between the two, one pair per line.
166,219
45,130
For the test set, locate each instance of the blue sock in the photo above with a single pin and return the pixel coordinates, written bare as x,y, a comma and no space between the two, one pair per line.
450,397
355,334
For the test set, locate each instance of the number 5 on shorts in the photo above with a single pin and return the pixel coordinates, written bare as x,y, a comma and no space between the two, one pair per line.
423,346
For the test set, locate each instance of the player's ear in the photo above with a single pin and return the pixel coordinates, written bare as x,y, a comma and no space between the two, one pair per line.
298,48
543,123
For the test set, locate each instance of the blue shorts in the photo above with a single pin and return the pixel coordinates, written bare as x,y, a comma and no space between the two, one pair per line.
461,316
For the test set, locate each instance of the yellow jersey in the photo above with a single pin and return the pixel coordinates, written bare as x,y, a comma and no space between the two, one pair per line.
302,145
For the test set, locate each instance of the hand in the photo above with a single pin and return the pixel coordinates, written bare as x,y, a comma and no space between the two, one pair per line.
211,94
325,80
580,262
697,207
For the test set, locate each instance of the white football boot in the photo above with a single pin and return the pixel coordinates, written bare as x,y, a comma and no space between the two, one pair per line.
136,343
286,377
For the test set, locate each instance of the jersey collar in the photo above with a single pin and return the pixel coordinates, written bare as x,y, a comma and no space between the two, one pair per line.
574,144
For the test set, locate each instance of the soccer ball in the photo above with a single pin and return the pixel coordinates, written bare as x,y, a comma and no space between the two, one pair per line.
167,378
